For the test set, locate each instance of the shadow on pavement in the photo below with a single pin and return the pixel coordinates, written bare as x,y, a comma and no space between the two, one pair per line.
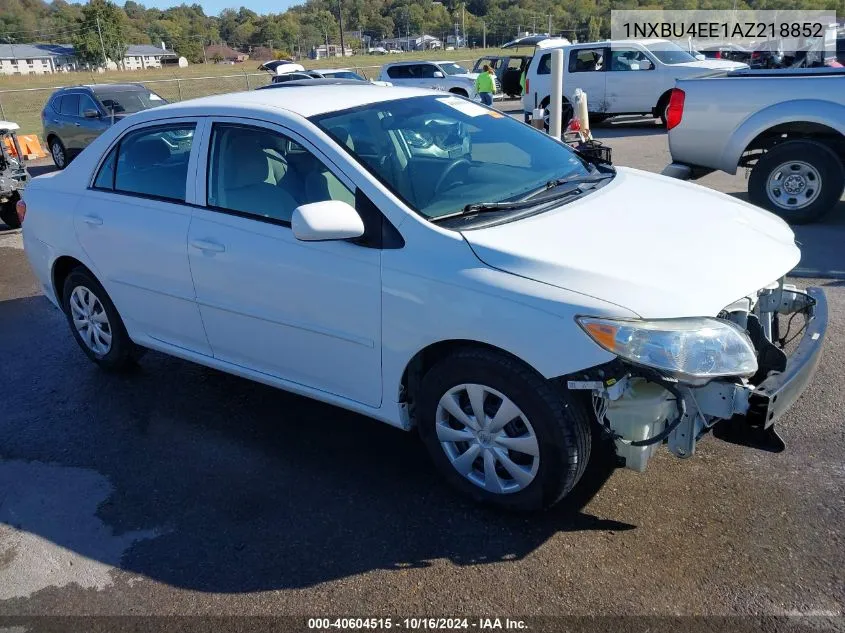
243,487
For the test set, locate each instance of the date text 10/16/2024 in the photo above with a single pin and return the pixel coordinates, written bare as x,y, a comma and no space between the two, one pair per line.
415,624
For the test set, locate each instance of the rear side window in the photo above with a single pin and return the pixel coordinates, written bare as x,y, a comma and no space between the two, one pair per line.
586,60
399,72
56,103
70,105
152,162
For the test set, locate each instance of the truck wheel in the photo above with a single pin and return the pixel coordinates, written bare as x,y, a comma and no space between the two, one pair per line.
96,324
798,180
9,214
500,433
58,152
661,110
566,113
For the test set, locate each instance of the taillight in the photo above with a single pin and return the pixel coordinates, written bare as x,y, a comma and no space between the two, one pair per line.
20,207
718,55
755,54
675,111
527,86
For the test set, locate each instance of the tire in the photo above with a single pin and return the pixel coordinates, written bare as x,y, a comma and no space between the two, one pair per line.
557,428
120,353
9,214
661,108
58,153
567,111
818,179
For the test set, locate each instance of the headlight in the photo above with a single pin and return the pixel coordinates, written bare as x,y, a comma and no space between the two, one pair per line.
690,349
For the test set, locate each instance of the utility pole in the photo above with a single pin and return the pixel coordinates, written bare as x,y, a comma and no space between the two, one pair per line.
204,54
550,24
464,21
484,34
103,46
340,19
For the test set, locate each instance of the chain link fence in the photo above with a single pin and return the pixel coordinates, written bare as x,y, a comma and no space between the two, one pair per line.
24,105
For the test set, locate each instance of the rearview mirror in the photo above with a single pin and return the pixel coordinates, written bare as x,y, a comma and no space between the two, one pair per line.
438,74
91,114
326,221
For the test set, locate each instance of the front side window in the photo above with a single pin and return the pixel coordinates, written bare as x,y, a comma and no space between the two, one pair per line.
86,103
669,53
425,71
153,162
345,74
586,60
451,68
440,154
623,60
260,173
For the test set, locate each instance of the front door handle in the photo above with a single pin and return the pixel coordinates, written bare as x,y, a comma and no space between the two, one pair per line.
208,246
93,220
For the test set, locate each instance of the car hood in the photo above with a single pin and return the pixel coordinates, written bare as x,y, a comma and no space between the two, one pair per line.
657,246
467,76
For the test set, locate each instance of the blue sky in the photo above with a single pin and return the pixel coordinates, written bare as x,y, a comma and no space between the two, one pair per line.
214,7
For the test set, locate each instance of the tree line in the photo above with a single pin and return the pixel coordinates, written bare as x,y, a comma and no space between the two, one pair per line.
186,29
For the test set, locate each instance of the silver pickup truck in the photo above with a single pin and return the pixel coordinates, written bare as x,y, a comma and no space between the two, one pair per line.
787,126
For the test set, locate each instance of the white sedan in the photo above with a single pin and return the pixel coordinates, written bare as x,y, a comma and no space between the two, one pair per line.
426,261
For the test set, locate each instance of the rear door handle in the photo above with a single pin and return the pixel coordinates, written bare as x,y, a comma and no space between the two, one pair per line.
93,220
208,246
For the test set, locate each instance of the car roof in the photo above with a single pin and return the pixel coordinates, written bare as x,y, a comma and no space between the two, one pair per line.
95,88
334,70
307,98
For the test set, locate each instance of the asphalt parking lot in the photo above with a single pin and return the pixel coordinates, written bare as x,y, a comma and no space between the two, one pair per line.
179,490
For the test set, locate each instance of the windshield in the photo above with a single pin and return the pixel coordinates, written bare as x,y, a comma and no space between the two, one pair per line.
344,74
129,101
670,53
440,154
453,69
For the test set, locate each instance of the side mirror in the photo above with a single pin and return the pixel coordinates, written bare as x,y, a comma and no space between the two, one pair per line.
438,74
326,221
91,114
700,57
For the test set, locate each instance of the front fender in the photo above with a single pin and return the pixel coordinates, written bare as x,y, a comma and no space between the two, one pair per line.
817,111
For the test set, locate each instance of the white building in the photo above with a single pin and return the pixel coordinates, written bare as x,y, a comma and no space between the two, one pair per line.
40,59
412,43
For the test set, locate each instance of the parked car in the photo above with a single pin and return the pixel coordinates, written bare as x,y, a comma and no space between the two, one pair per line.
508,69
619,77
328,73
73,117
447,76
768,54
501,294
728,51
788,126
272,65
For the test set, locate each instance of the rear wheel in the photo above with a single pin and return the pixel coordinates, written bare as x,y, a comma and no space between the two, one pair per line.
58,152
566,114
661,111
798,180
9,212
96,324
500,433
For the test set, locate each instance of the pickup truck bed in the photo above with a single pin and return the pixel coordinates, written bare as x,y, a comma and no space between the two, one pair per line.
788,126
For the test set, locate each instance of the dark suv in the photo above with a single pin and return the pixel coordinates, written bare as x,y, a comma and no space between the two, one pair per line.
75,116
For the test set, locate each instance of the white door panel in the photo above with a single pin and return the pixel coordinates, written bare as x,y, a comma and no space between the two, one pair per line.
138,246
305,312
632,82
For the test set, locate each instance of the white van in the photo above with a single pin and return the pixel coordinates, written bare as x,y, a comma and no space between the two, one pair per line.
619,77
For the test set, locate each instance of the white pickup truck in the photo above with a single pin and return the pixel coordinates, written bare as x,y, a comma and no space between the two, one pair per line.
788,126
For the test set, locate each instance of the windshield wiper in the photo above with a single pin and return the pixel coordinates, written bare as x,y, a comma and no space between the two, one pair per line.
531,201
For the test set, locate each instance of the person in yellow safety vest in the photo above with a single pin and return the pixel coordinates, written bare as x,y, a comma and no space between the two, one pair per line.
522,80
485,86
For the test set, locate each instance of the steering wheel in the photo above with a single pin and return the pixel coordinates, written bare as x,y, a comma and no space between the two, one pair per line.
461,162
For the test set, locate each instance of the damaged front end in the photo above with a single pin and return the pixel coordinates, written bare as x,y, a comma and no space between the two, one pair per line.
643,402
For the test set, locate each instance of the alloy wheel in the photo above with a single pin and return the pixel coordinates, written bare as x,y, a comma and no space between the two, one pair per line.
58,154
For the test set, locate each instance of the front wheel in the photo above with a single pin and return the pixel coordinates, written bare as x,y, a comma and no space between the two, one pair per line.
500,433
798,180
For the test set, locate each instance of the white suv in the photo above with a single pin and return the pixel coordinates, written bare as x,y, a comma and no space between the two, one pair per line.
619,77
447,76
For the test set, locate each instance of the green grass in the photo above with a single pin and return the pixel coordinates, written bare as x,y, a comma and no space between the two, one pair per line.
22,97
